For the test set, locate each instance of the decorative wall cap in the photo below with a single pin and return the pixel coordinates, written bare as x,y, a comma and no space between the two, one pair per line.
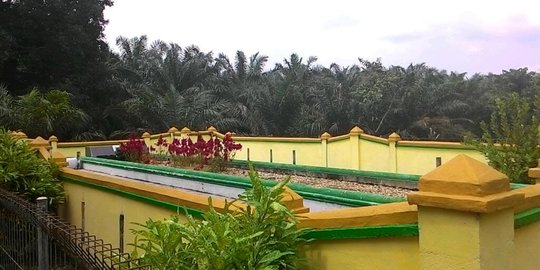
326,136
173,130
466,184
19,134
39,141
355,131
394,137
185,130
534,173
212,129
145,135
53,139
486,204
464,175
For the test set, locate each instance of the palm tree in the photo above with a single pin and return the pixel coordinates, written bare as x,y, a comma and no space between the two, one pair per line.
243,86
44,113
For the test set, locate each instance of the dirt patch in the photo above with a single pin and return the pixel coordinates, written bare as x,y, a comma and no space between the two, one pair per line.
383,190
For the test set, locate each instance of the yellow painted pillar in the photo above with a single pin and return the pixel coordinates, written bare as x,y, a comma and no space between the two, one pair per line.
354,139
534,173
146,137
212,130
172,132
53,140
324,148
185,132
392,152
465,217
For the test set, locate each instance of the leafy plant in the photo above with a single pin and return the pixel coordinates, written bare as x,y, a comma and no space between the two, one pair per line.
161,148
510,141
213,152
23,172
263,235
134,150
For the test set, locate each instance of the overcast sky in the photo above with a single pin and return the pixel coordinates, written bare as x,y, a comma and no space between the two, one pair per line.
466,36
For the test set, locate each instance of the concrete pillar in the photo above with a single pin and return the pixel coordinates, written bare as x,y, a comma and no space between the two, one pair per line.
354,137
53,140
146,137
185,132
534,173
172,131
392,152
212,130
42,238
465,217
324,148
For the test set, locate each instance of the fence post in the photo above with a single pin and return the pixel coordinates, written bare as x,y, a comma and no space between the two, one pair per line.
146,137
354,138
534,173
43,238
185,132
172,131
392,151
53,140
324,150
465,217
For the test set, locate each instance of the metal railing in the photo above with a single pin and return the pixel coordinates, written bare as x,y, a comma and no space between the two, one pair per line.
31,238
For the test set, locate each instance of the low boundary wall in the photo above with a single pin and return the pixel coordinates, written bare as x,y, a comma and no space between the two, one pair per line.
356,150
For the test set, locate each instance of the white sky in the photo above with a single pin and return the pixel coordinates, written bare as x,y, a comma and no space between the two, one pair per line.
466,36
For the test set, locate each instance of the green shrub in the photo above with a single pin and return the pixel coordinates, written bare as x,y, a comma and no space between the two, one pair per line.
510,141
23,172
264,235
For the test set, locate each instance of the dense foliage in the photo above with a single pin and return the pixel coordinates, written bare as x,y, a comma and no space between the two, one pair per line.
510,141
134,150
214,152
261,236
155,86
23,172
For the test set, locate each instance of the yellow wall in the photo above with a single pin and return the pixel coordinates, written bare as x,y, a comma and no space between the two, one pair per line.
103,208
411,157
369,254
339,154
374,156
102,213
527,247
71,151
420,160
307,153
440,229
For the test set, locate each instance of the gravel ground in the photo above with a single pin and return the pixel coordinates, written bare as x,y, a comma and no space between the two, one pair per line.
330,183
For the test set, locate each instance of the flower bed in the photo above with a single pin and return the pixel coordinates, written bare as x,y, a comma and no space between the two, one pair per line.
214,154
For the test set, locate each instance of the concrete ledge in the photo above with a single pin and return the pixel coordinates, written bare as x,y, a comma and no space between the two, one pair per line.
343,197
384,214
466,203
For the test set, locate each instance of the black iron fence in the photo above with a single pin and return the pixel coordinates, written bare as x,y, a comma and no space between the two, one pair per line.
31,238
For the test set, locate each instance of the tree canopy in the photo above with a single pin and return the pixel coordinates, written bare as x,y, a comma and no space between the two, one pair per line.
56,44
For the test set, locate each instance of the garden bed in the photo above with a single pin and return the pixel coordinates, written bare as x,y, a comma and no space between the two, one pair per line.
378,189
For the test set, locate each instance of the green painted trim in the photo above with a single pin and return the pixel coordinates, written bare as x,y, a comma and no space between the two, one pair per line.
342,197
136,197
518,185
332,171
526,217
319,234
398,230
